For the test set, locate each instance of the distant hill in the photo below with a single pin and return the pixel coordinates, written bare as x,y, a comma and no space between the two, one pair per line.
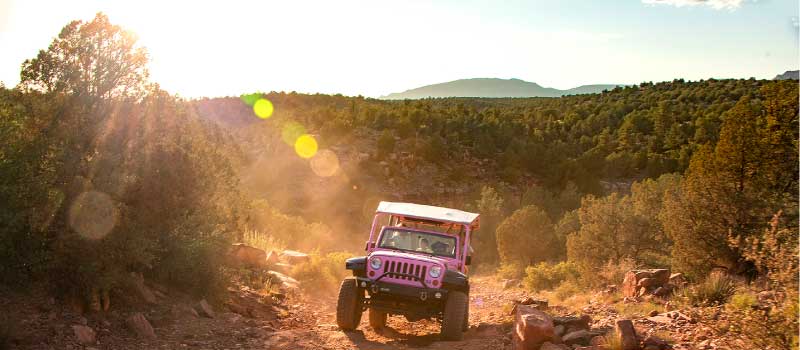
789,74
493,87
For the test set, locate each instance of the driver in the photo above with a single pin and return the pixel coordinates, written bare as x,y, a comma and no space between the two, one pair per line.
424,245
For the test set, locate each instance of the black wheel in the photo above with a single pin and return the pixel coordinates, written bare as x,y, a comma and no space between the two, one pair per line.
377,319
455,309
348,308
466,315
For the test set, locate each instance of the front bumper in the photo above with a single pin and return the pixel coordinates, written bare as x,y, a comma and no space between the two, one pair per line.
379,290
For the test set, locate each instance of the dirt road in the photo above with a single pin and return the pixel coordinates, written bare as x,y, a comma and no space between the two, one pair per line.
311,324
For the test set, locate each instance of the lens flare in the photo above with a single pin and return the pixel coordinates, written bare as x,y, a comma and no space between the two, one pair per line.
325,163
263,108
305,146
291,131
93,215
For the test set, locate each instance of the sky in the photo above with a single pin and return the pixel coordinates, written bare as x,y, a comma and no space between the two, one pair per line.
373,48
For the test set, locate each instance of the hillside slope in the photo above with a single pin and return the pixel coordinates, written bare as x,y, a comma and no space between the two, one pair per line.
493,87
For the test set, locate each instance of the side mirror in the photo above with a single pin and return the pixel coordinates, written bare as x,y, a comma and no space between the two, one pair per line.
469,260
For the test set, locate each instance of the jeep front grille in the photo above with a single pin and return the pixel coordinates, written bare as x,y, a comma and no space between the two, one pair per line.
392,267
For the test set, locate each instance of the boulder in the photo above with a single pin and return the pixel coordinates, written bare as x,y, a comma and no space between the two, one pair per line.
573,323
532,328
243,255
653,342
551,346
636,280
579,337
283,282
141,289
272,257
627,334
139,325
283,268
294,257
677,279
84,334
510,283
204,309
180,311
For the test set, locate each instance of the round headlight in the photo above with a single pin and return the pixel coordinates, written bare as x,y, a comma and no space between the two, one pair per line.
436,271
375,263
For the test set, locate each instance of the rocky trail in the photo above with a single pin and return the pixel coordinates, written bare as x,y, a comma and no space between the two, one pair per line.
254,319
312,325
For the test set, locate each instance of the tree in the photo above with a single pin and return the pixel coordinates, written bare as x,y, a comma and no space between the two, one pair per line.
734,187
526,237
94,60
490,206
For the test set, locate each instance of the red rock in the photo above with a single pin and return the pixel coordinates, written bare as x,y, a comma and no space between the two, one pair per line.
84,334
294,257
531,328
243,255
139,325
627,334
272,258
551,346
204,309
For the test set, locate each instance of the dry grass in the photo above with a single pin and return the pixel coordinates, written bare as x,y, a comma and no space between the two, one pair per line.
262,241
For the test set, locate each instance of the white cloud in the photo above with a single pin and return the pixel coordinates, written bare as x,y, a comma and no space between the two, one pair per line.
715,4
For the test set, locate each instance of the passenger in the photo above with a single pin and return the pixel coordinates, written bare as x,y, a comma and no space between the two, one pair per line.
440,248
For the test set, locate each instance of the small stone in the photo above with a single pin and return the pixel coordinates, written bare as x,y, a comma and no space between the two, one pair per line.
204,309
139,324
84,334
653,313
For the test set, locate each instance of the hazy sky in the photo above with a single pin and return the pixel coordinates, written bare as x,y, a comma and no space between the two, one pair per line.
372,48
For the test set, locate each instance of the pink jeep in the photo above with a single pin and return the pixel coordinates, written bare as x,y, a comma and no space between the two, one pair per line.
416,266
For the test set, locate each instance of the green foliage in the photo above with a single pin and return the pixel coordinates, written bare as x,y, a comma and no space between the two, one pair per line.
743,301
490,205
323,273
734,187
74,64
385,143
566,290
525,237
545,276
714,290
510,271
105,176
619,227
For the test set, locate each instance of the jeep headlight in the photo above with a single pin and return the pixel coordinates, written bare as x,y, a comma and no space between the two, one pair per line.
435,271
375,263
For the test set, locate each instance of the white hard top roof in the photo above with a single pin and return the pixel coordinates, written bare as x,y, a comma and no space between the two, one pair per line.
429,212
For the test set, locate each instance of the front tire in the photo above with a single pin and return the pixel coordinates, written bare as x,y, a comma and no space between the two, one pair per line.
466,315
377,319
455,309
348,307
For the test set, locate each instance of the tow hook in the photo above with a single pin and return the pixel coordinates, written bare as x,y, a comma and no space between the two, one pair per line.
423,296
374,288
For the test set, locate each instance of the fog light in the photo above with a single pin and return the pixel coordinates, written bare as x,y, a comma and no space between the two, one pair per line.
363,284
435,283
438,295
372,274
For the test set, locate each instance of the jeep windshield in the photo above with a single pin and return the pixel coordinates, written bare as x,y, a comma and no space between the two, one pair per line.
418,242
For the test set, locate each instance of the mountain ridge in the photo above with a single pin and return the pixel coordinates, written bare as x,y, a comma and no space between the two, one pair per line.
493,87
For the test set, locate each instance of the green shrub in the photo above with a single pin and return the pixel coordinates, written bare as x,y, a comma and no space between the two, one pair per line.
322,274
743,301
544,275
566,290
715,290
510,271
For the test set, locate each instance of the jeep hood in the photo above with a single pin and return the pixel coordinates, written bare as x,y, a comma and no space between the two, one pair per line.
419,257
